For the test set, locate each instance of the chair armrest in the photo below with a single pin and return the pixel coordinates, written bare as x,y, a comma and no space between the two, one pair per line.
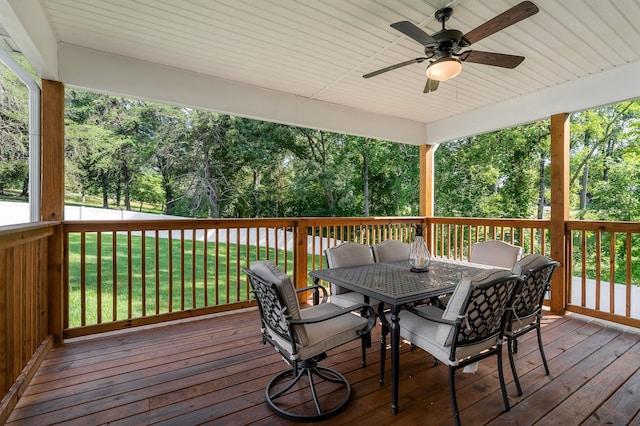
428,317
364,309
315,288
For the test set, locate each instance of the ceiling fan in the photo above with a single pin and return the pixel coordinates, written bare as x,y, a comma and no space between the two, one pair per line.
442,48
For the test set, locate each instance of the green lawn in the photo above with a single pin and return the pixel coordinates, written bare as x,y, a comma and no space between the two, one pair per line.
180,279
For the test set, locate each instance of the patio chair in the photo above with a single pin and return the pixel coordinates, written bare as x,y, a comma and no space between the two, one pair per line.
468,330
390,251
343,256
302,337
536,271
495,253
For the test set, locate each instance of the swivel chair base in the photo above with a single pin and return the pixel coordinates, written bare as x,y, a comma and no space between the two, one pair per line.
278,388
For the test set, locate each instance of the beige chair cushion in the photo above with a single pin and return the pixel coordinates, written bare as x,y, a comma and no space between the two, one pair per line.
350,298
530,261
271,273
348,254
345,255
328,334
495,253
391,251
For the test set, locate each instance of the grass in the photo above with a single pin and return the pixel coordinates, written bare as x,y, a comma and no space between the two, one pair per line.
169,281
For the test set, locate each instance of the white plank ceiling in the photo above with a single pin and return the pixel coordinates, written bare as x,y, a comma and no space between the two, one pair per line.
301,62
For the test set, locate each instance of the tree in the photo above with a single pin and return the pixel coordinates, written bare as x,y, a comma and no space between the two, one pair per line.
90,150
211,181
498,174
14,132
262,148
147,188
599,138
387,175
317,178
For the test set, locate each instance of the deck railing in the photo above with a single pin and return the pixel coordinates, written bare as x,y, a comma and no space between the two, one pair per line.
453,237
24,289
604,270
119,274
126,273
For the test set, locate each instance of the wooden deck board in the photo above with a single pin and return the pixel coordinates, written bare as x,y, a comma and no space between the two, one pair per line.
214,370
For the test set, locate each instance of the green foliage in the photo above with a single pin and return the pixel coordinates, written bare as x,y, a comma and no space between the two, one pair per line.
14,131
604,162
147,188
490,175
202,164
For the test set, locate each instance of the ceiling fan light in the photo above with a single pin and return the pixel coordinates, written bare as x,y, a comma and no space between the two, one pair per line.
443,69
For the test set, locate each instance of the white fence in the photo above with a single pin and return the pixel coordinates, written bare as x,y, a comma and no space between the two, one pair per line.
12,213
15,213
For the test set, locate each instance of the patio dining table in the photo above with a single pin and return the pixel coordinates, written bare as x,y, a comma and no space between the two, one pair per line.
395,285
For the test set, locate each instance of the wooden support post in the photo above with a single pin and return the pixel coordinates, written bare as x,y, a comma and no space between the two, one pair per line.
426,180
426,190
301,275
52,196
559,208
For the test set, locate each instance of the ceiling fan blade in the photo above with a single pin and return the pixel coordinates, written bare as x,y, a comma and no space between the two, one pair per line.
393,67
410,30
490,58
509,17
431,86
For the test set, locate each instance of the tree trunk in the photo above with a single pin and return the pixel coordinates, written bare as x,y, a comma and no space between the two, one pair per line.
127,190
105,192
365,179
256,193
541,188
118,194
168,196
25,188
331,202
212,193
583,190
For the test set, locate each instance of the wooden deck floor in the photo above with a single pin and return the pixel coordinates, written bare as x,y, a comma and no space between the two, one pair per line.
214,371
